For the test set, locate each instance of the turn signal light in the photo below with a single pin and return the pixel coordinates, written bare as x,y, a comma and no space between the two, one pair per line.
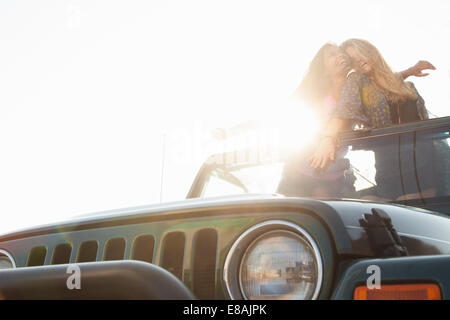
425,291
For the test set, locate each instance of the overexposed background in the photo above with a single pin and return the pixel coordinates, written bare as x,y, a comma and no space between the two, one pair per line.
90,89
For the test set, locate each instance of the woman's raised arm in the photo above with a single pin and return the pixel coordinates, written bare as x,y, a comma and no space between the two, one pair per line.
417,69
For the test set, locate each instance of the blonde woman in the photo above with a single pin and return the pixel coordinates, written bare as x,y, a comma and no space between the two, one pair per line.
372,96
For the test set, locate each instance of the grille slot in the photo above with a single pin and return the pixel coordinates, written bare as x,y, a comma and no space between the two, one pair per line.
114,249
204,263
173,253
143,247
37,256
61,253
87,252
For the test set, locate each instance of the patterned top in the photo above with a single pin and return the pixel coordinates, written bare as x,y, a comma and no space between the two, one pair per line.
366,105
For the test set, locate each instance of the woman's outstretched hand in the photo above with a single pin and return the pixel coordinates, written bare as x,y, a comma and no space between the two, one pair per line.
417,69
324,154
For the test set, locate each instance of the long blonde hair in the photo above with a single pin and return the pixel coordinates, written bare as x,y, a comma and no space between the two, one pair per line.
316,83
390,83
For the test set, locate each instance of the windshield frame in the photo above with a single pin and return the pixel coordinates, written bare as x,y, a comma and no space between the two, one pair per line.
212,163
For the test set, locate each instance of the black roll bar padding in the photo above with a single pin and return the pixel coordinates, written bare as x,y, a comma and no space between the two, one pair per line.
383,238
106,280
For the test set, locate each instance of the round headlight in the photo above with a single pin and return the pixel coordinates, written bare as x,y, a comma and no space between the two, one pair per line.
274,260
279,265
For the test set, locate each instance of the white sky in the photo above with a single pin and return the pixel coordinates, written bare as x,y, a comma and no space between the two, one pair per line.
88,88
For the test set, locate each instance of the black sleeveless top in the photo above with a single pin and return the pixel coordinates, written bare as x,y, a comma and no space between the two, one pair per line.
404,111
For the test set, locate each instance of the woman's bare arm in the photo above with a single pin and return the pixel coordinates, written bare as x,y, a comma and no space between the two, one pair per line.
326,151
417,69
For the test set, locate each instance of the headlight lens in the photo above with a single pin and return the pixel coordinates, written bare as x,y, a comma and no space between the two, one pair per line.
280,264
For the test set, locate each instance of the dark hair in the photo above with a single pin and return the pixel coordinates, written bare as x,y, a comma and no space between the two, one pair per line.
316,83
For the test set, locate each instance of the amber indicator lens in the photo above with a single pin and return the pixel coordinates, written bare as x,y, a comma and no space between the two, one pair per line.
423,291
